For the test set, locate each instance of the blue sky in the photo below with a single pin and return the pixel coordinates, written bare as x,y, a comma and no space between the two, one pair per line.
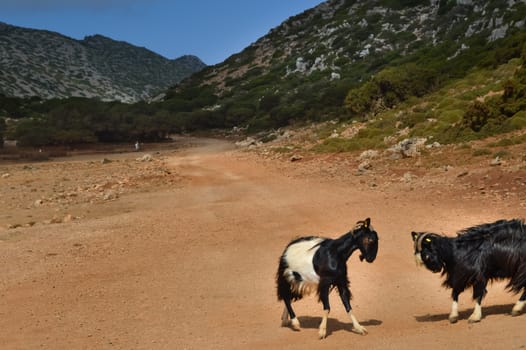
209,29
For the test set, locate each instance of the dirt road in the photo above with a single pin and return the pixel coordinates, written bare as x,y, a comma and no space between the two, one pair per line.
191,265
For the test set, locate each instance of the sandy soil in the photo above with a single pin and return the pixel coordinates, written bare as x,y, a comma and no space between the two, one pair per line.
180,251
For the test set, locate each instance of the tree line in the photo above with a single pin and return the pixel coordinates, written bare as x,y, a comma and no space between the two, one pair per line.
269,101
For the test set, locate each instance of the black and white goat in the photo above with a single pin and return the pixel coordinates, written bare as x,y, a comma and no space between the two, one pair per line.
318,264
476,256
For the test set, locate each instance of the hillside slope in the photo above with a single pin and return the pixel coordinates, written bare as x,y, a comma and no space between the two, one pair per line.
313,65
49,65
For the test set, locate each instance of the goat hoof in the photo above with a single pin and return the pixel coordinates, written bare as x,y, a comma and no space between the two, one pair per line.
473,320
453,319
295,324
517,309
360,330
322,333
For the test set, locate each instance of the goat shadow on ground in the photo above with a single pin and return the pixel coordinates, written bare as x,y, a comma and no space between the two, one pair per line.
333,325
464,314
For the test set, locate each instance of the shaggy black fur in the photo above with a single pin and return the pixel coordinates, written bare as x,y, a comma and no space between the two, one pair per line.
476,256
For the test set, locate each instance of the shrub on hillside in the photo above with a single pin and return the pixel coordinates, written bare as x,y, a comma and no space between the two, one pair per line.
502,113
390,87
477,116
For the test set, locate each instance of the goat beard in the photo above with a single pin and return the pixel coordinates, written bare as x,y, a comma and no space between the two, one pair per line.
418,259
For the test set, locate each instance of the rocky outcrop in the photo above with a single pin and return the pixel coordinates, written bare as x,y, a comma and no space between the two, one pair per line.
336,34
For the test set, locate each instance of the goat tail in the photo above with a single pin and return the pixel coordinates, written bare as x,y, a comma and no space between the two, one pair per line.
288,290
285,283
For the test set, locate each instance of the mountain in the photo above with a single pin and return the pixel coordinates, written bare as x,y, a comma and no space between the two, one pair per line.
49,65
355,59
362,73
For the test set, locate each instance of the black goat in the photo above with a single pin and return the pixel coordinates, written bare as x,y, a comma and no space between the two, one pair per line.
316,263
476,256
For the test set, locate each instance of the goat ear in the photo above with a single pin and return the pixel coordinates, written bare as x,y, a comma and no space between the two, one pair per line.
367,223
414,235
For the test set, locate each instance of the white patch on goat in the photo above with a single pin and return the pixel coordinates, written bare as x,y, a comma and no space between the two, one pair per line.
322,331
299,260
476,316
453,316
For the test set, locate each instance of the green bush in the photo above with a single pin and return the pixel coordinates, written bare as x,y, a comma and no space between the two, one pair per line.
269,102
390,87
412,119
481,152
337,145
517,122
34,133
237,115
501,154
476,116
502,143
261,123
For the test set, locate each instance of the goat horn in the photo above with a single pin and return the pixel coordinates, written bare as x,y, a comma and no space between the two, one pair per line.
418,242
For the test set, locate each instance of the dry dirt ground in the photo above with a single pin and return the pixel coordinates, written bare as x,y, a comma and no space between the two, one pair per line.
179,250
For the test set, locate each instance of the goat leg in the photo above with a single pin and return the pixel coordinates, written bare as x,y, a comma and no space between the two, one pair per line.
519,305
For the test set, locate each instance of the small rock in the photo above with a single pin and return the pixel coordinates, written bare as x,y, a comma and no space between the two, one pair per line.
409,148
369,154
394,156
408,177
56,220
496,161
434,145
5,176
145,158
105,161
110,195
364,166
295,158
249,141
